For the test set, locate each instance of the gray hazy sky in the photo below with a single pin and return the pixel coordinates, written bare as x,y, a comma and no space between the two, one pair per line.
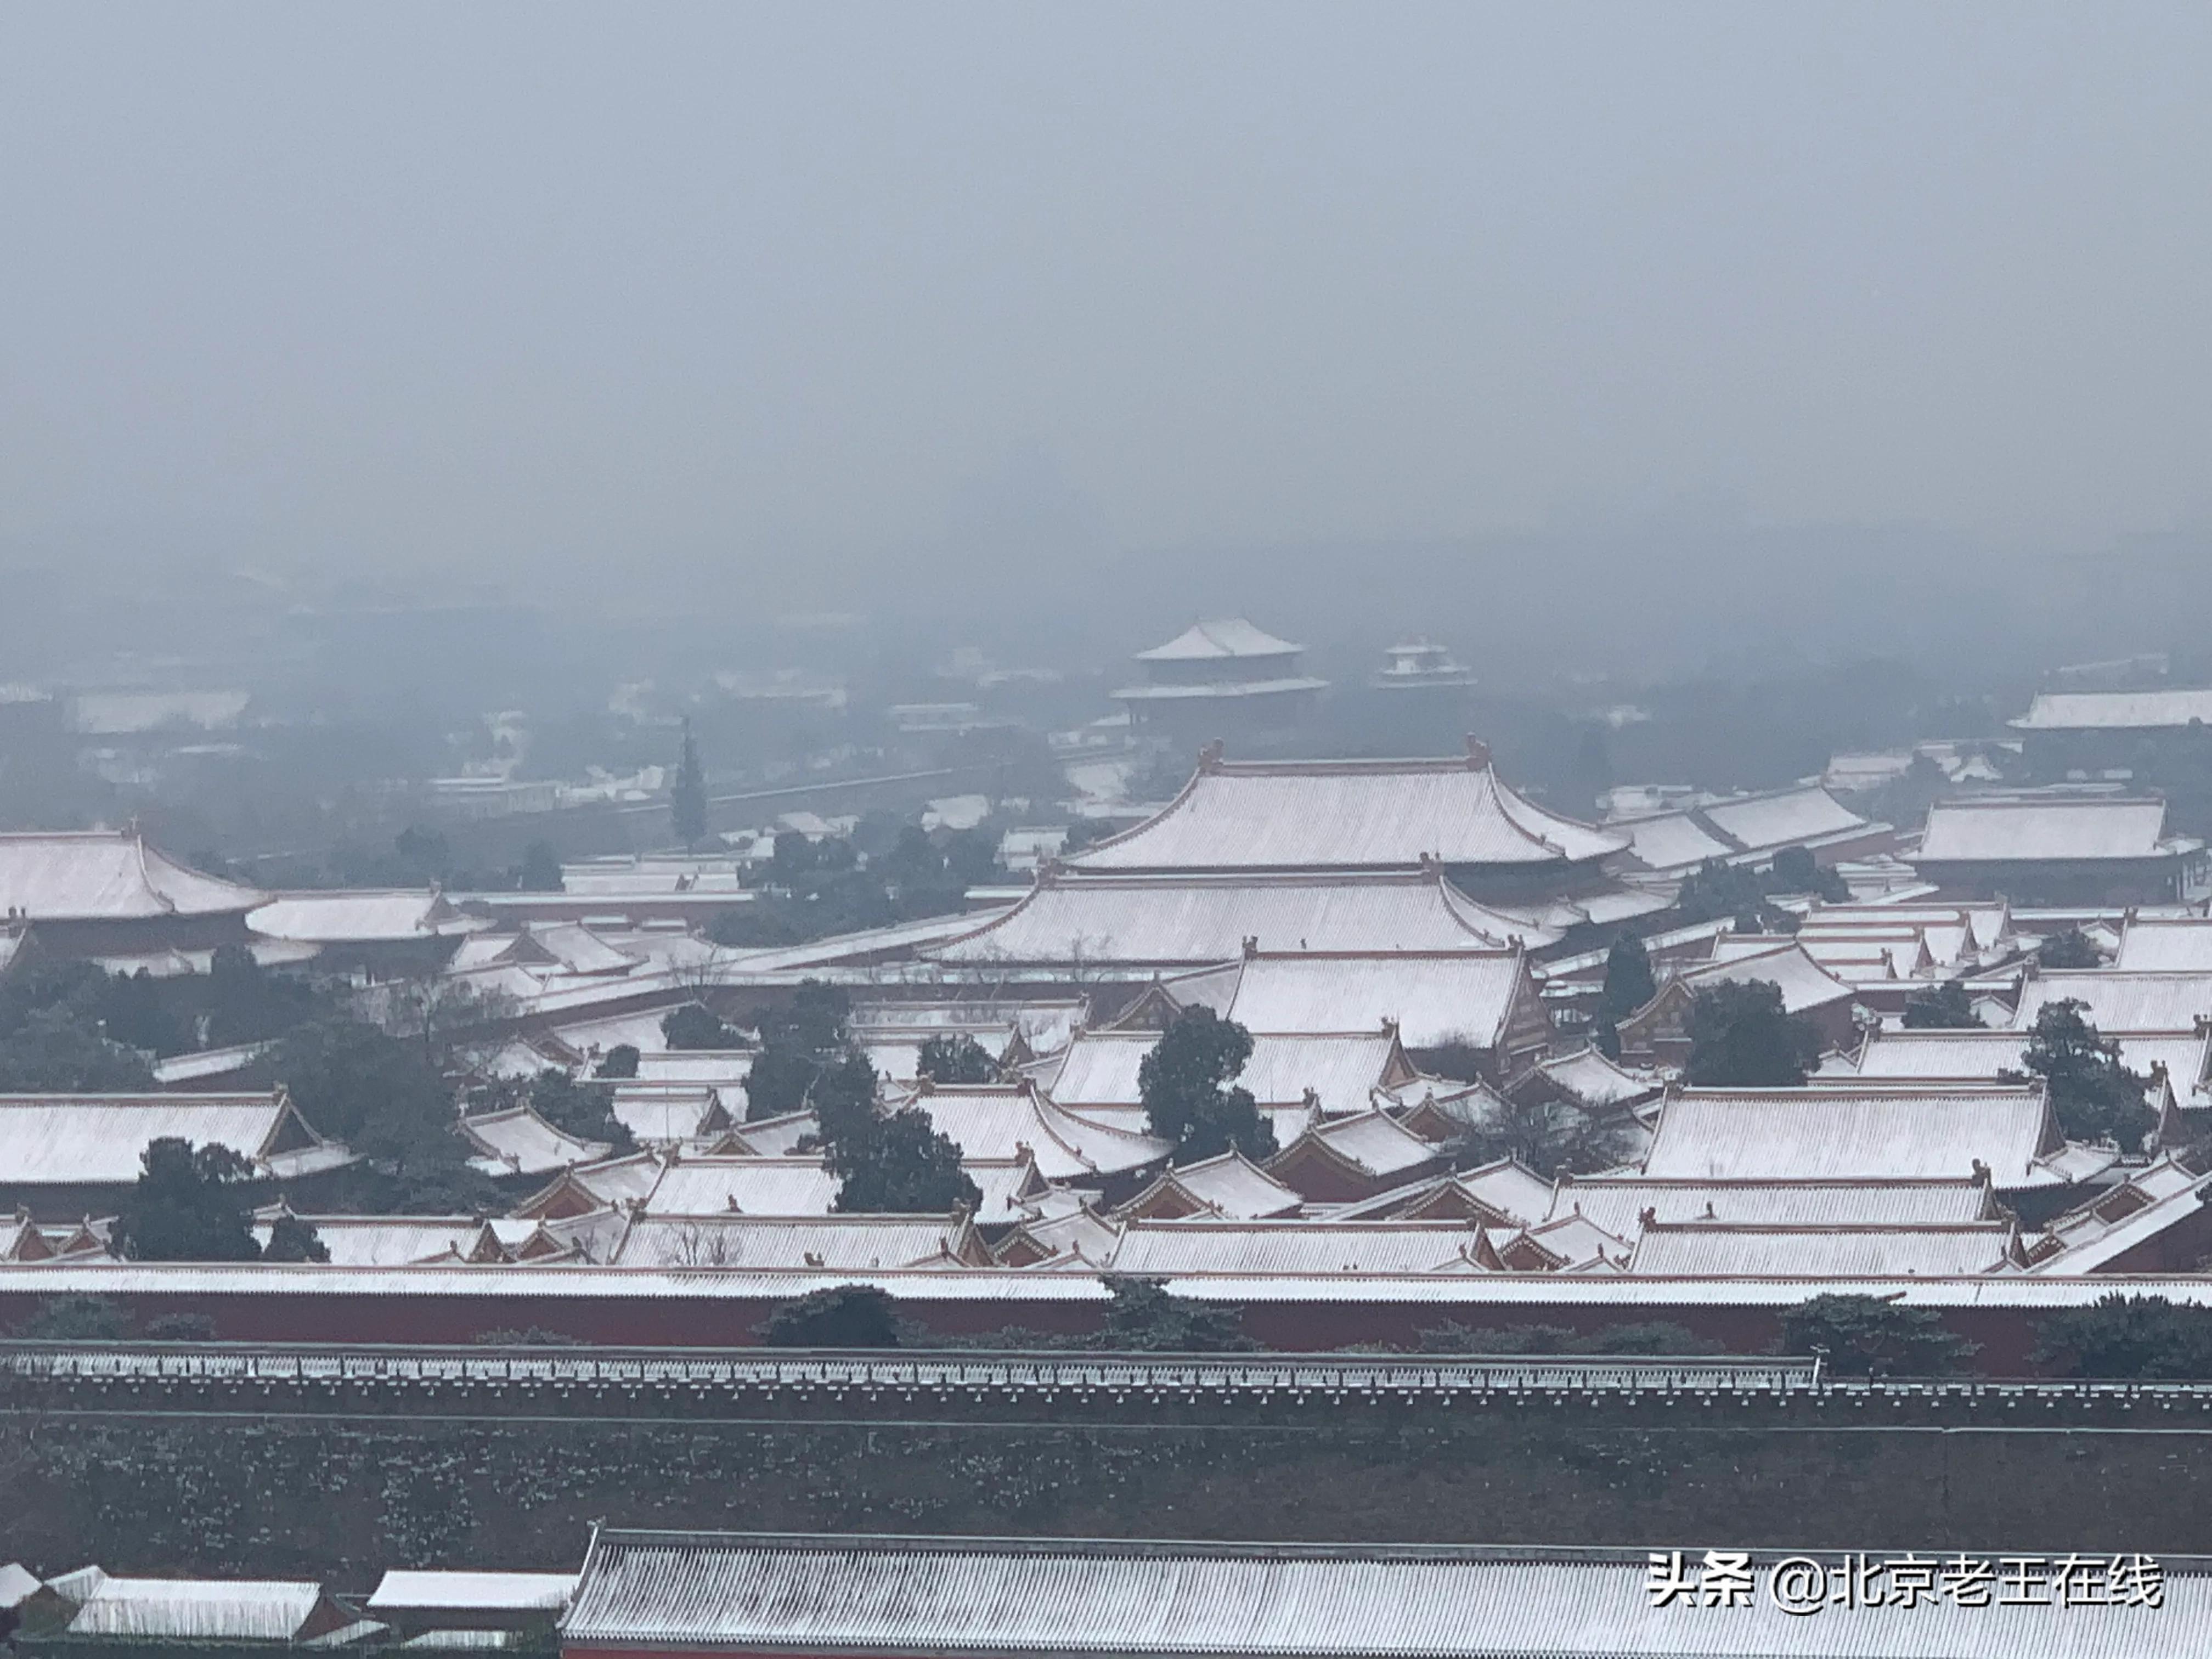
475,287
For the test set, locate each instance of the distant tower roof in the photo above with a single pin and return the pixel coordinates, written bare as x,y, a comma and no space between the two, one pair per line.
1234,637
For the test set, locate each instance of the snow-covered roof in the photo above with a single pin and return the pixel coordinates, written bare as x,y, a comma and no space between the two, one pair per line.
743,1186
1230,1186
1785,818
861,1595
853,1244
998,1121
517,1141
1099,1068
1199,1246
361,916
2163,943
1847,1129
2167,1193
1435,997
107,875
666,1112
1373,1142
1617,1203
1594,1080
1231,636
2108,711
424,1591
716,1067
17,1582
1185,921
101,1139
2047,828
1693,1249
2118,1001
1803,983
1348,815
391,1241
201,1610
1673,841
1970,1054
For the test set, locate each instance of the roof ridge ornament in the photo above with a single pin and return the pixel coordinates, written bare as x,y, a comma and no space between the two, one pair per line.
1478,754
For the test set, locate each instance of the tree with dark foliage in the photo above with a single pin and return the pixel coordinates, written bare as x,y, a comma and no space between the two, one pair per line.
246,1003
1716,888
619,1062
584,1110
843,1316
1945,1007
76,1319
809,1061
955,1059
899,1165
1187,1083
2129,1337
2093,1095
291,1239
1740,1037
687,795
541,870
1628,981
1549,1136
2069,949
189,1204
692,1026
1144,1317
1868,1336
1796,869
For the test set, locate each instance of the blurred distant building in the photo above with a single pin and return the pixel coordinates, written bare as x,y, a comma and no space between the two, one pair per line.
1221,680
1420,664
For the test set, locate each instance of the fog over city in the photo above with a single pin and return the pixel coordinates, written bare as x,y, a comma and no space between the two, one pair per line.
822,824
1004,311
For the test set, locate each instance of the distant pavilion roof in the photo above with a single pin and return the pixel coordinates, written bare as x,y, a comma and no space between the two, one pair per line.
1349,815
1189,920
2115,711
107,875
1231,637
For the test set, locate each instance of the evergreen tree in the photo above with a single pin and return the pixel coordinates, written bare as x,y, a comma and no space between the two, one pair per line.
2093,1095
899,1164
692,1026
586,1111
76,1319
2069,949
541,870
955,1060
1186,1085
687,796
135,1014
1945,1007
1740,1037
1869,1336
1145,1317
2128,1337
619,1062
291,1239
843,1316
188,1205
381,1094
1628,981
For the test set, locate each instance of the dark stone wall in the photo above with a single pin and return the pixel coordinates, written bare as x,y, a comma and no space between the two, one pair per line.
344,1499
